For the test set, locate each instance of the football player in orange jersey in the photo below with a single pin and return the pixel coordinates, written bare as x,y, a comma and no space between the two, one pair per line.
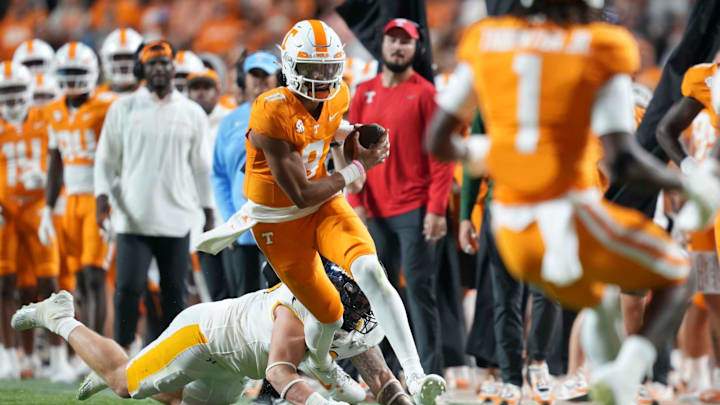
542,84
118,58
696,108
25,263
74,125
290,193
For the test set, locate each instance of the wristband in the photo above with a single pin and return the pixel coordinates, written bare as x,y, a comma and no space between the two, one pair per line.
280,363
47,210
288,386
360,165
353,171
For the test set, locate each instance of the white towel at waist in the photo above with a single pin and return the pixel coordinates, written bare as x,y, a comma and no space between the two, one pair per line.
242,221
555,219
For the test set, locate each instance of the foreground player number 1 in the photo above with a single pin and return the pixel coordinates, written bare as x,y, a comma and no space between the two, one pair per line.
528,69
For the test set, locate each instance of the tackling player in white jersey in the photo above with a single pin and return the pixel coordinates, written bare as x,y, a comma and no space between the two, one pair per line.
210,350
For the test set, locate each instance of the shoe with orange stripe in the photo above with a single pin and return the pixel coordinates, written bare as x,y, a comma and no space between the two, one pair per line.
490,391
338,383
541,384
510,395
711,396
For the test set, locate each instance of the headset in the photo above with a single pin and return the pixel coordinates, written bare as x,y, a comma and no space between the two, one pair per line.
138,70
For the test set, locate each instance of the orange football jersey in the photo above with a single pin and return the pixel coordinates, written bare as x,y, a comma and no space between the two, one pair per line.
75,135
279,114
22,149
536,83
696,84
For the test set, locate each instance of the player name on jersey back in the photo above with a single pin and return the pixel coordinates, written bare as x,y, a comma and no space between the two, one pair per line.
506,39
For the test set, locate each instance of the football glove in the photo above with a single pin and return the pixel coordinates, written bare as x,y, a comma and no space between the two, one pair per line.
46,231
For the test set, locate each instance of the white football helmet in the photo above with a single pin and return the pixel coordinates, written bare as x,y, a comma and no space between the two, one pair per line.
45,90
36,55
118,55
185,62
76,68
16,84
312,59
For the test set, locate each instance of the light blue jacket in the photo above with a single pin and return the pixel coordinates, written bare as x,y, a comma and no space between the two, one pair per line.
228,172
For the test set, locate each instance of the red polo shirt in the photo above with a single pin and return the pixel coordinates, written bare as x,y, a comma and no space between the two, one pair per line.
409,178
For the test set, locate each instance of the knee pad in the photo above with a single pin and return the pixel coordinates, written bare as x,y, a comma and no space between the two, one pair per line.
369,273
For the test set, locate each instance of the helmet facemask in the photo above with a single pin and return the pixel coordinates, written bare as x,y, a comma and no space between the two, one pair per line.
37,66
315,80
119,68
15,101
75,80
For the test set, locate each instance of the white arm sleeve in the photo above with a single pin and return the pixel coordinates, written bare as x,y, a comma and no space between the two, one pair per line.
459,97
200,159
108,156
612,110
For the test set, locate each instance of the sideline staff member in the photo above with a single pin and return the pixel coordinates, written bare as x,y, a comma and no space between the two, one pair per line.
154,144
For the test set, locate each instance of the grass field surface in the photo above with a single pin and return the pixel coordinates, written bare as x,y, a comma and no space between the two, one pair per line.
43,392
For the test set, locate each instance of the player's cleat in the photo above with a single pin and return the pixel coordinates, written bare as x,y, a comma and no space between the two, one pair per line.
338,383
711,396
575,388
91,385
659,392
612,387
541,384
643,397
425,389
490,391
510,395
45,313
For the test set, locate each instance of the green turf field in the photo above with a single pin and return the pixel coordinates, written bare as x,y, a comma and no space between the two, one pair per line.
43,392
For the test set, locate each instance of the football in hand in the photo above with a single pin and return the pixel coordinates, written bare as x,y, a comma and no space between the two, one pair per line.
368,135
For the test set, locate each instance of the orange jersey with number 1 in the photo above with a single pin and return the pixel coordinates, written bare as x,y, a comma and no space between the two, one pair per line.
536,84
279,114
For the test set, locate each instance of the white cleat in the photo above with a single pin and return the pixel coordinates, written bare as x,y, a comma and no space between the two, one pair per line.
338,383
425,390
610,386
44,314
91,385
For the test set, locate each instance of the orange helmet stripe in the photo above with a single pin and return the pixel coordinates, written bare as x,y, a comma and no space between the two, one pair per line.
123,36
40,79
30,45
320,37
8,69
71,51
